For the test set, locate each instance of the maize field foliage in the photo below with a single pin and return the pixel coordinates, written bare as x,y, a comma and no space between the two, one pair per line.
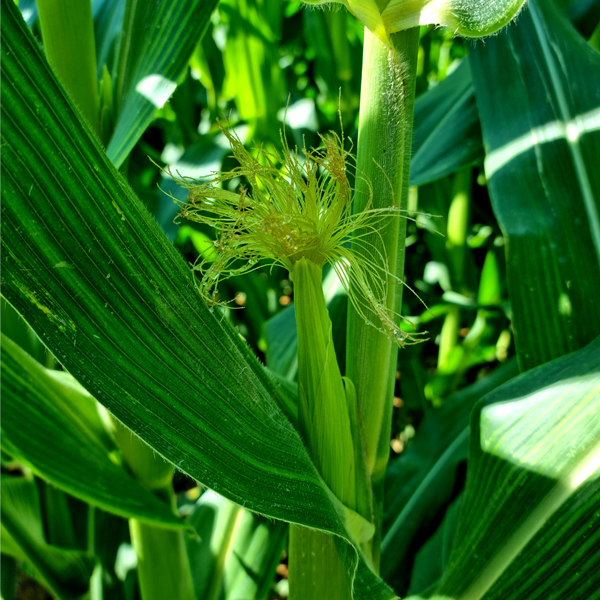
165,436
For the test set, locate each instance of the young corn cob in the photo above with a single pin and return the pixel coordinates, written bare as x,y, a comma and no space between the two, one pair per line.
297,206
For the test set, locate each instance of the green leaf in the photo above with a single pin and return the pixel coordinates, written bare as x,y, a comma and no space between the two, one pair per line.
66,572
419,483
127,321
530,527
70,447
157,42
446,133
431,559
585,15
68,33
237,551
251,61
540,118
108,20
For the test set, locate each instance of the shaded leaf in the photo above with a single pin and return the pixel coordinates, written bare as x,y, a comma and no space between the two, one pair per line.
446,133
70,447
108,20
66,572
420,482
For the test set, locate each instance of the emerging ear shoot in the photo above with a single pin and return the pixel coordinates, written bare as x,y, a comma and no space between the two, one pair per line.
295,206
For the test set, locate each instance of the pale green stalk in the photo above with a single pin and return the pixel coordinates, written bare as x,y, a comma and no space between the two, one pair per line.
458,223
384,145
315,568
68,34
163,565
456,245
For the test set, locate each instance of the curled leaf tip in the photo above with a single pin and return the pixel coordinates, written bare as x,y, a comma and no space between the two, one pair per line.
294,205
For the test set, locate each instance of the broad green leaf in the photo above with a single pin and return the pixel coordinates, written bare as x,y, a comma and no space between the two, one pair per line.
65,572
70,447
530,527
537,95
237,551
419,483
158,39
446,133
127,321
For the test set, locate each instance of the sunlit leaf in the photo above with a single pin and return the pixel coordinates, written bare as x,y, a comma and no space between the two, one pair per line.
541,126
158,39
529,524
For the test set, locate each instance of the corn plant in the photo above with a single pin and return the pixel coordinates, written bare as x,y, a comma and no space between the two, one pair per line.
439,441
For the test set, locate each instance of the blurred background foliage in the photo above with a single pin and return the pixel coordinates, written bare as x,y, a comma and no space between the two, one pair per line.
263,61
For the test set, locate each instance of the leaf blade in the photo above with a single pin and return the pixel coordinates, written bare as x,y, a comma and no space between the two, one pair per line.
159,38
530,439
127,321
68,448
540,167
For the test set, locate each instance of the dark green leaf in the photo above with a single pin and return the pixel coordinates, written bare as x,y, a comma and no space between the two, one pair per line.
419,483
585,15
432,558
540,116
447,133
66,572
108,20
90,270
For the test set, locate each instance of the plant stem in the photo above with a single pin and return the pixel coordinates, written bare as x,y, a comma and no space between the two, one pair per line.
458,222
163,565
384,145
68,33
315,568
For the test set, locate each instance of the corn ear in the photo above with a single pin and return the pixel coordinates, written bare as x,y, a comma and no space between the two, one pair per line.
322,405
